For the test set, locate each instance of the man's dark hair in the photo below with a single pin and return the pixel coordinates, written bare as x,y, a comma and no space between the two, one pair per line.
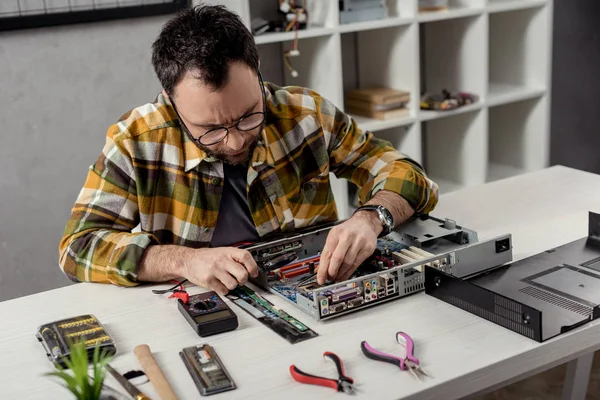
204,40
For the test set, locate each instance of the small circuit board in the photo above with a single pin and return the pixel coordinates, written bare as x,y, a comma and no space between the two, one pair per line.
206,369
276,319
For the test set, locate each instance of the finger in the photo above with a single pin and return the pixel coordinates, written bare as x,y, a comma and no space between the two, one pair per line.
362,255
349,261
237,271
226,279
338,256
330,244
218,287
245,258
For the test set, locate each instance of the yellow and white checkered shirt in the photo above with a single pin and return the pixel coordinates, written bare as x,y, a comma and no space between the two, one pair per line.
151,175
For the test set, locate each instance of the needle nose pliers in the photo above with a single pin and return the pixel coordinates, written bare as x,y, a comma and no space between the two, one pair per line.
344,383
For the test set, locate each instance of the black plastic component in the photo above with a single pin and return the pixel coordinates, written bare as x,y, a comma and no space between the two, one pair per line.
378,357
208,314
502,245
540,297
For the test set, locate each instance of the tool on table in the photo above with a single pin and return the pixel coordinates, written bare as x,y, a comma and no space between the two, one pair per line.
343,383
208,314
153,372
57,337
207,369
274,318
131,389
408,361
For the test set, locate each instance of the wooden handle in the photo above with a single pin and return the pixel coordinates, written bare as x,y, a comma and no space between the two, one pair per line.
153,372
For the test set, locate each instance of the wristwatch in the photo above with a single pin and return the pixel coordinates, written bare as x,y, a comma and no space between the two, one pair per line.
384,216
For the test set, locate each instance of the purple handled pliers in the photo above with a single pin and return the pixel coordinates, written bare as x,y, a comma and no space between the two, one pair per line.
408,362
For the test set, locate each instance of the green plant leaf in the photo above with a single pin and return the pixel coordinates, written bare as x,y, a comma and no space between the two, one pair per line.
79,382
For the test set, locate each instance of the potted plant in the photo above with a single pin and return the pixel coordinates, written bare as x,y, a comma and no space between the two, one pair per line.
79,380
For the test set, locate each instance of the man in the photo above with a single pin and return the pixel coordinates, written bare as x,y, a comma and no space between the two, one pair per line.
222,157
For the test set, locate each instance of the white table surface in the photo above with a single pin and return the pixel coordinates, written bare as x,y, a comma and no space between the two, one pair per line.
462,352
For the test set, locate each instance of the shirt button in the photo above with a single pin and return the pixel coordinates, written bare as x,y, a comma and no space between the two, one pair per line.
215,181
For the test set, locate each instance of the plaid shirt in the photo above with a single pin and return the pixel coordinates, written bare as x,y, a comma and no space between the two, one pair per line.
150,175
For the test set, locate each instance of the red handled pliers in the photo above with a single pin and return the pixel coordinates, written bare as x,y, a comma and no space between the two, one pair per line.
342,384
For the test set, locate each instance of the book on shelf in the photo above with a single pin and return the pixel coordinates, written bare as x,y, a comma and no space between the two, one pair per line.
377,102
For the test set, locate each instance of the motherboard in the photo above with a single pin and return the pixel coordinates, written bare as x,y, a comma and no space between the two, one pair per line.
287,265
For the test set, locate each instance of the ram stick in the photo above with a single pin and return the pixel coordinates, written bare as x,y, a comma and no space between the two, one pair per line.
274,318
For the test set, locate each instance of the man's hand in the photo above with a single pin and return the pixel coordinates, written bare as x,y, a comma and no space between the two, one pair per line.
347,246
220,269
353,241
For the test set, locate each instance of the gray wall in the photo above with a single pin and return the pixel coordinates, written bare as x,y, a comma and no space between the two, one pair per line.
575,121
60,90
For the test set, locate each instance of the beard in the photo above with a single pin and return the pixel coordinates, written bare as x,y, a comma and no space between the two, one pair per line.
242,158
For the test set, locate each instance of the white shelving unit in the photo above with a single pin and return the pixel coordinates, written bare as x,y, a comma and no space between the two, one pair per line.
498,49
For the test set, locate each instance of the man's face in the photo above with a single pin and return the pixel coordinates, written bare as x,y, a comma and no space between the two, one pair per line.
203,109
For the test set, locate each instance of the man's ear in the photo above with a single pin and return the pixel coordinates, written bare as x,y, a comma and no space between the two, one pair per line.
164,92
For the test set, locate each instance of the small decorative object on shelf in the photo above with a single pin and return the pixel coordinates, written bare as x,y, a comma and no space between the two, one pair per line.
377,102
447,101
433,5
362,10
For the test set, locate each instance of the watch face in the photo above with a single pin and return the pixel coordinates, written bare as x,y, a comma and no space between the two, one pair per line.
388,218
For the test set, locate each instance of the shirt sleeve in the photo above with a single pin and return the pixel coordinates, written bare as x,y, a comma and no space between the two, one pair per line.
372,163
98,244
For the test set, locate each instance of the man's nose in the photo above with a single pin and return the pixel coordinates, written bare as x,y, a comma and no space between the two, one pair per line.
234,139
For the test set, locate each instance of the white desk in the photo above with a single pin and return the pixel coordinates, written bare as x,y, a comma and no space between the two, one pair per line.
465,354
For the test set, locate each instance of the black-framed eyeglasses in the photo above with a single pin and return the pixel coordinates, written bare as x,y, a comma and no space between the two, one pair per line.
246,123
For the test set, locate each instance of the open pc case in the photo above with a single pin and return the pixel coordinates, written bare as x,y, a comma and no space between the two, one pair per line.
540,297
396,268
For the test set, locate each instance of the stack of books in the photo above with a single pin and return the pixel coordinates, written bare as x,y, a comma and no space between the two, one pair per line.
377,102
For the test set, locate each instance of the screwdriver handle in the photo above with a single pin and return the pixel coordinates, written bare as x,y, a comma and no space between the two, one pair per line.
153,372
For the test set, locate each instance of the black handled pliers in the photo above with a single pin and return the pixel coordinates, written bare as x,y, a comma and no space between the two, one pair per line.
344,383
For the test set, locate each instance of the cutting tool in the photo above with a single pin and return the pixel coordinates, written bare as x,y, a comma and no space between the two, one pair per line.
407,361
344,383
131,389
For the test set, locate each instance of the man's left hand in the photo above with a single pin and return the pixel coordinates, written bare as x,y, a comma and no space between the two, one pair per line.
348,245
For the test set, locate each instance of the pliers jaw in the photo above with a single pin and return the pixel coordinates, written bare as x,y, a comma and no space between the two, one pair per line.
344,383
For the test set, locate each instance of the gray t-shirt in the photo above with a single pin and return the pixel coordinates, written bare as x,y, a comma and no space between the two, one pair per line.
234,222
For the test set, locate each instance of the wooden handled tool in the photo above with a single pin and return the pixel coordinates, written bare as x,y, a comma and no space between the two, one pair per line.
153,372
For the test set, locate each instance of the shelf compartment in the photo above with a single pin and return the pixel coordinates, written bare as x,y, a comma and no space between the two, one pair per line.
324,24
318,65
455,9
515,55
276,37
382,58
502,93
400,12
376,125
428,115
455,150
453,58
513,5
517,137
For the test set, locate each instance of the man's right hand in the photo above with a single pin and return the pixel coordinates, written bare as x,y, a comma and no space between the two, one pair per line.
220,269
